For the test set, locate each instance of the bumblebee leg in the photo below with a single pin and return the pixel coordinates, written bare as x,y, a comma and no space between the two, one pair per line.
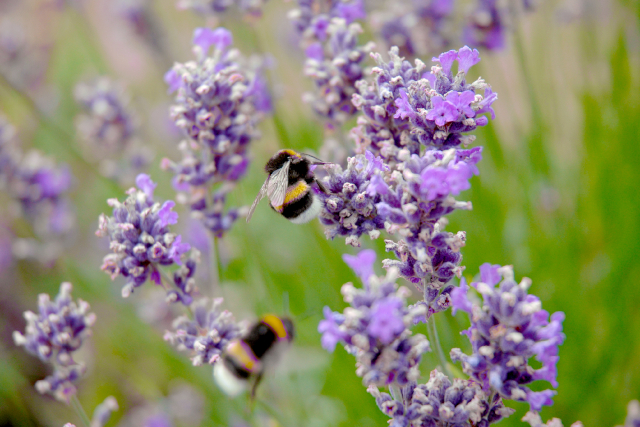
321,186
254,387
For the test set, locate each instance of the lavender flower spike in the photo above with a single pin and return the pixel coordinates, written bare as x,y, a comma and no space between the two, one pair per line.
53,335
375,327
103,412
441,403
141,242
207,334
58,329
509,328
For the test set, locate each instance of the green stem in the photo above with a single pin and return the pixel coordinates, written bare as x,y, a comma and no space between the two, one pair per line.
77,406
214,264
433,331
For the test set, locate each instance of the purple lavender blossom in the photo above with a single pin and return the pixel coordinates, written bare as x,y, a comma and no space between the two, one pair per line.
109,128
375,328
312,17
349,210
486,26
252,8
207,334
633,414
534,420
416,27
440,403
142,243
220,100
59,328
37,184
103,412
53,335
335,70
508,329
406,107
61,384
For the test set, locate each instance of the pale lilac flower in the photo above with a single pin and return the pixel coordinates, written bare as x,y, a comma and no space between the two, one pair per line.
534,420
252,8
633,414
103,412
53,335
109,127
508,329
221,97
441,403
141,241
58,329
207,334
375,329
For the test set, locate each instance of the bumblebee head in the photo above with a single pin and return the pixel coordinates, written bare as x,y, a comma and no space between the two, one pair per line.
281,157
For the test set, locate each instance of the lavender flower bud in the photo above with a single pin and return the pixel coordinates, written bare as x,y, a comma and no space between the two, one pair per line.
440,402
60,384
633,414
535,421
58,330
508,329
103,412
375,327
207,334
141,241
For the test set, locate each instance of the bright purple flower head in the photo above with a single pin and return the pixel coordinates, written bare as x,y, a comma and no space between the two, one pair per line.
221,38
446,61
508,329
362,264
375,330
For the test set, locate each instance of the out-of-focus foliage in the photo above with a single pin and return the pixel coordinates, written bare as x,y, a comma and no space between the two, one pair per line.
556,197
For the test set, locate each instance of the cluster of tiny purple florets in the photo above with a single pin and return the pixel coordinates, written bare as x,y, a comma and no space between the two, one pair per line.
375,329
38,185
214,7
441,403
141,242
53,335
506,331
416,27
207,334
220,98
110,128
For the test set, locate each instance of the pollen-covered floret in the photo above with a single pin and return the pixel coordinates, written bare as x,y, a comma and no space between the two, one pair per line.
441,403
207,334
507,330
141,241
375,329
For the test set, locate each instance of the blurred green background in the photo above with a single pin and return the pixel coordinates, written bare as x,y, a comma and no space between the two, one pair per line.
556,197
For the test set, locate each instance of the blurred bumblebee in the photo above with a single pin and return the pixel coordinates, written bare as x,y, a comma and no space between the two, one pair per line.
289,187
244,361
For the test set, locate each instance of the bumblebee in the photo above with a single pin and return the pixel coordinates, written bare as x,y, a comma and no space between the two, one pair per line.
289,187
244,360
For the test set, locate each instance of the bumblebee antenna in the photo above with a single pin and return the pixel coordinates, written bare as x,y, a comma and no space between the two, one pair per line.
319,162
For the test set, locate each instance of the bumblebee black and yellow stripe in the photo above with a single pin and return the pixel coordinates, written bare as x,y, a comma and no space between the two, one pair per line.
277,326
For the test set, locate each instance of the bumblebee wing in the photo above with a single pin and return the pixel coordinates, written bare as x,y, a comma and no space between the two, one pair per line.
261,194
278,183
